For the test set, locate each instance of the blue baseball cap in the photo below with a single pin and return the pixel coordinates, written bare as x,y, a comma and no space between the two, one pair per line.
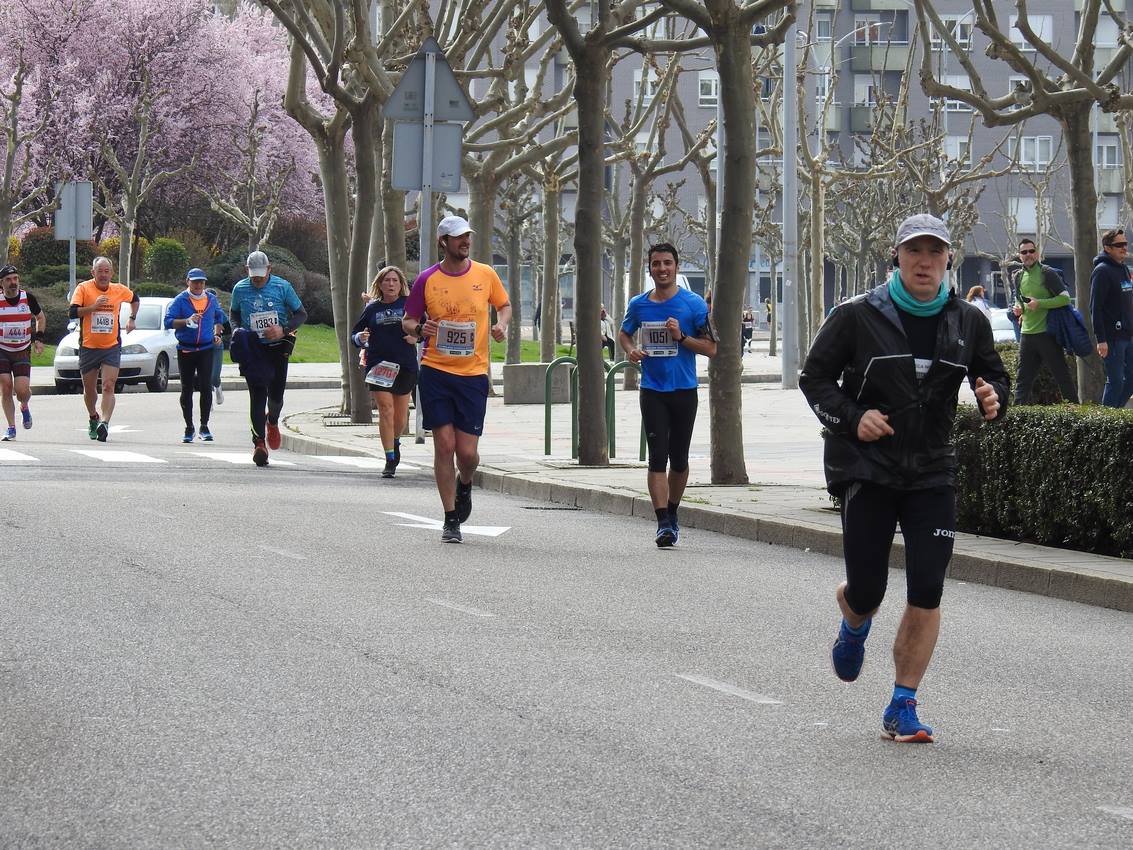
196,274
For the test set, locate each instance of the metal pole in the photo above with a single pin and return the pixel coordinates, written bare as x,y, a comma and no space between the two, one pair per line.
789,313
426,242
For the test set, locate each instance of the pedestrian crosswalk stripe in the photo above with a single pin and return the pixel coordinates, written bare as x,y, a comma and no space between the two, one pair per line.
360,462
112,456
11,454
240,458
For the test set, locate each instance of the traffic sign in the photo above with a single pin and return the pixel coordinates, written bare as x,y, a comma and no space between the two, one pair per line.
74,218
407,103
408,152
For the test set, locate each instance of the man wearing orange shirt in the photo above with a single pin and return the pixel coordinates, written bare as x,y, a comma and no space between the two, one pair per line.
96,303
448,308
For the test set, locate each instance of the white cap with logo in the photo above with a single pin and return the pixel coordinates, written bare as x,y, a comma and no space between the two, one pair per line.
453,225
257,264
923,224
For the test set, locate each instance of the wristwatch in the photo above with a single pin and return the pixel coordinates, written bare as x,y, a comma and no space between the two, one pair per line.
417,330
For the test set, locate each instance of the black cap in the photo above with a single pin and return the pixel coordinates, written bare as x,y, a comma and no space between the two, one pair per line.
7,270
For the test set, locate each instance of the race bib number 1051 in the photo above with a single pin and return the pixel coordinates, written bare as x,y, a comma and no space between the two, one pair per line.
657,341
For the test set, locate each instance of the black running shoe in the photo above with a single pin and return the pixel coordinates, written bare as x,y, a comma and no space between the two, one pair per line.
102,432
391,467
463,504
665,537
450,533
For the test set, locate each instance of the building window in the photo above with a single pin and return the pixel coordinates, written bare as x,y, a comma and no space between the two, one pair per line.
958,149
1108,153
866,90
823,80
960,26
643,143
957,81
766,87
1109,210
1042,25
868,30
709,88
823,26
1025,213
1033,152
652,83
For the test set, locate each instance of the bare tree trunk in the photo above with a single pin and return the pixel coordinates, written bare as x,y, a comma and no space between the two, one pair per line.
737,90
590,95
1079,154
637,259
393,211
125,246
377,255
548,306
817,263
515,290
618,295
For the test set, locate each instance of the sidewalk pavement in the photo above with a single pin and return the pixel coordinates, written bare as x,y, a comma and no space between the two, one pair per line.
785,502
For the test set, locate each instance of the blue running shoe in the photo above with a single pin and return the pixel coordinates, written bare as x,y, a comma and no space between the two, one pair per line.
676,526
25,412
848,652
10,434
900,723
666,537
189,434
206,434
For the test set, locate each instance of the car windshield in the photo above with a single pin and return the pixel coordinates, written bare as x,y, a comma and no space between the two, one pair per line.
149,317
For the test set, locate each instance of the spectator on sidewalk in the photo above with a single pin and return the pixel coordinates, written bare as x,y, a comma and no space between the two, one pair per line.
1039,289
977,298
882,378
1111,311
747,328
608,332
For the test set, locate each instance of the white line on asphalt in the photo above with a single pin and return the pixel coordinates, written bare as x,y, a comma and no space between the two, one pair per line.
724,687
436,525
463,608
240,458
284,553
112,456
12,454
1121,811
361,462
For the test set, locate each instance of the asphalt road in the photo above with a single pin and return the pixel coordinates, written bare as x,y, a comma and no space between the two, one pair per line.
195,652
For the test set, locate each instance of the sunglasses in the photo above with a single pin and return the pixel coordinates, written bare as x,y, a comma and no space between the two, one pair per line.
1027,251
1118,244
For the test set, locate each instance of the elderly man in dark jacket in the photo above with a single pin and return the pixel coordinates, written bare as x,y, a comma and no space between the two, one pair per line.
1111,310
882,377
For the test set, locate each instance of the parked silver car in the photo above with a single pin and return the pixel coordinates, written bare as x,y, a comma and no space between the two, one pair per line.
149,352
1002,328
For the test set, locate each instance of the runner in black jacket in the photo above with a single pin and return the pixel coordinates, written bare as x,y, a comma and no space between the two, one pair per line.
882,377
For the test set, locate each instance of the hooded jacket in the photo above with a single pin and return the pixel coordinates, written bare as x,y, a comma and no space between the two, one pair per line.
1111,299
202,336
861,360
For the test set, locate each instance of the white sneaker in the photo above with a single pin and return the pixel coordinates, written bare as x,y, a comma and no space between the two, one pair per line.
219,395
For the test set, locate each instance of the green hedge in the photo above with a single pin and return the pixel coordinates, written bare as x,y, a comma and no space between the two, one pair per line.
40,248
147,288
44,276
1050,475
166,260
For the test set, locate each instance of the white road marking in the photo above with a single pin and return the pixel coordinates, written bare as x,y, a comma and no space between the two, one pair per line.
361,462
116,429
283,553
437,524
12,454
112,456
240,458
724,687
463,608
1121,811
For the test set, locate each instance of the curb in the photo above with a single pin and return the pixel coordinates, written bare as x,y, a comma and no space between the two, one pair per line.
1084,585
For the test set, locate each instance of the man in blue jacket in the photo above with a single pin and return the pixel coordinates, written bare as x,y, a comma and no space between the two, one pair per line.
196,318
267,306
1111,310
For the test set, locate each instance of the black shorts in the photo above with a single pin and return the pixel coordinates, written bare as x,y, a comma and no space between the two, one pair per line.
403,384
668,418
18,363
91,359
870,514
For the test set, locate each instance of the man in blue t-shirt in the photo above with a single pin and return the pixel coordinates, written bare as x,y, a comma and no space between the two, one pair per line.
265,305
675,327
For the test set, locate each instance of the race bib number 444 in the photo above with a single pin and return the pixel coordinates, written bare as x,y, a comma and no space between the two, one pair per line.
457,339
657,341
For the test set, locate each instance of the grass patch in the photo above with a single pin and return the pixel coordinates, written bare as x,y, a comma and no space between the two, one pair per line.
45,359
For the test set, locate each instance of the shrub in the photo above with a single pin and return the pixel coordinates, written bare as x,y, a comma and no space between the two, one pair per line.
166,260
228,269
109,246
306,239
1044,390
14,251
53,301
201,251
41,248
156,289
1048,475
44,276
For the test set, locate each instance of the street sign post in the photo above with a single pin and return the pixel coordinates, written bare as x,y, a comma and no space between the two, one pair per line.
426,148
74,219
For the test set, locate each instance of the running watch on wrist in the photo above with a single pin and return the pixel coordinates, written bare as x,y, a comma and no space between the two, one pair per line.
417,330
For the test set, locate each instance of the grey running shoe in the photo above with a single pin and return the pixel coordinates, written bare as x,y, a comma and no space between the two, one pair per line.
451,533
463,504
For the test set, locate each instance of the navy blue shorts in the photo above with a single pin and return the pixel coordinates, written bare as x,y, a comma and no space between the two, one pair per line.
457,400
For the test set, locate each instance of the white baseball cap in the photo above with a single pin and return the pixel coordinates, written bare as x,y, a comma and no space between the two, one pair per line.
257,263
453,225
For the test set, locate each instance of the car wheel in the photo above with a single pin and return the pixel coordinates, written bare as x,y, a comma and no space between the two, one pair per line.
160,379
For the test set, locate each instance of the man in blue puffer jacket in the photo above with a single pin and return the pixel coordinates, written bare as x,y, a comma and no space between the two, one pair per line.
196,319
1111,311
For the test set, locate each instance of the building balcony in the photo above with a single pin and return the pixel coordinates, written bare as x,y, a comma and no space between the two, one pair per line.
883,5
832,120
1110,181
879,57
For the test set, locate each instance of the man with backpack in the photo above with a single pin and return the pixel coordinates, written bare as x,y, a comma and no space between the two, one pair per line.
1038,290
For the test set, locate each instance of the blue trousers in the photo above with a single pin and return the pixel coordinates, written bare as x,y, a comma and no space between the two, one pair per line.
1118,373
